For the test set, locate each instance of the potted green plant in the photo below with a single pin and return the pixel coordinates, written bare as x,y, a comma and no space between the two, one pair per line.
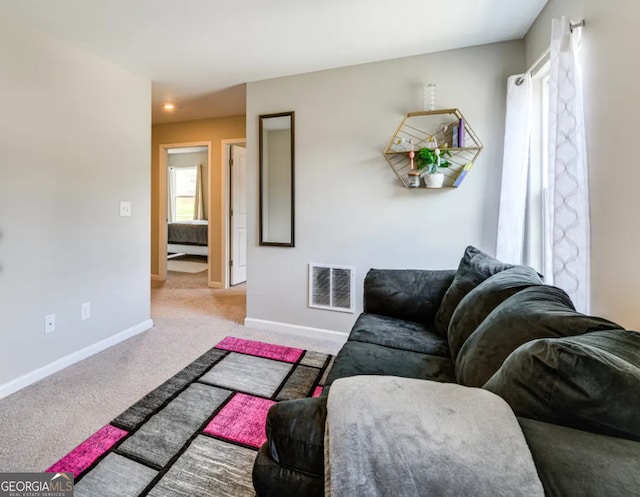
432,160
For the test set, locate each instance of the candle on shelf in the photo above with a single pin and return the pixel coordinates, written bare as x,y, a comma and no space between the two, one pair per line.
412,154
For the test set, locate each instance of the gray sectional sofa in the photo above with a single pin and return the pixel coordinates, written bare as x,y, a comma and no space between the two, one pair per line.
573,380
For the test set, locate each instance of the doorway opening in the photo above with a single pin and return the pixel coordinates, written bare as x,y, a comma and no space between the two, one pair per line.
185,209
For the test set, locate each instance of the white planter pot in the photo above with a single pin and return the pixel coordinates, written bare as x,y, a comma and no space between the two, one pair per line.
434,180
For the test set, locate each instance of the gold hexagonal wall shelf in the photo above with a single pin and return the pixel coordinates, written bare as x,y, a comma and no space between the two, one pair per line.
420,129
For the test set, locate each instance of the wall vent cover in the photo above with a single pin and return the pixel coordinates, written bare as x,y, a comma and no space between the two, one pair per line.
332,287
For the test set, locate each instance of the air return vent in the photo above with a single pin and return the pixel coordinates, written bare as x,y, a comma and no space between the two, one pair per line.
331,287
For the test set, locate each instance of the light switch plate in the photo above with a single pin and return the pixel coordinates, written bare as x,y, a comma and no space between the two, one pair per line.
125,208
85,312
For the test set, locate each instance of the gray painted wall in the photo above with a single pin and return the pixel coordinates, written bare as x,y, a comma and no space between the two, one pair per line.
75,138
350,208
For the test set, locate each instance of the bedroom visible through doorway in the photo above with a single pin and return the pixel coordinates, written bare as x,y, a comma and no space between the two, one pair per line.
224,196
187,206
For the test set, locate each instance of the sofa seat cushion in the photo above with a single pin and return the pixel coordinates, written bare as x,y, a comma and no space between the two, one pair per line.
398,334
357,358
400,437
577,463
475,267
589,382
536,312
479,302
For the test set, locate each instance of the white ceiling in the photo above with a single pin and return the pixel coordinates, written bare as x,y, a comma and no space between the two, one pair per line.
199,53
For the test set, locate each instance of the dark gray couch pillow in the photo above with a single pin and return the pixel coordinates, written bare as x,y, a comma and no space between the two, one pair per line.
479,302
475,267
411,294
536,312
589,382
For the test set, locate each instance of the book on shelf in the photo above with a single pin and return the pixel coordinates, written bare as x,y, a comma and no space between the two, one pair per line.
461,175
461,136
454,136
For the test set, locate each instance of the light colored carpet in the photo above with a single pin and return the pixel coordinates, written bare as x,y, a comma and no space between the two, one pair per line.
186,266
43,422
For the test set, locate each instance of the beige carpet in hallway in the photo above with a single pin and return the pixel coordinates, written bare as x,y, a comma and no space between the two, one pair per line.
41,423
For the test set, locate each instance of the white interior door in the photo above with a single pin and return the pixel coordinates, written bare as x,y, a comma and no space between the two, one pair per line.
238,213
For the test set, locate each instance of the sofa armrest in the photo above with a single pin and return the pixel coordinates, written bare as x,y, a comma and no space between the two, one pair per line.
272,480
295,434
411,294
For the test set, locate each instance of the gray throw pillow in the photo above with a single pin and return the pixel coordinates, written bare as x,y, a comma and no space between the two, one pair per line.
541,311
589,382
479,302
475,267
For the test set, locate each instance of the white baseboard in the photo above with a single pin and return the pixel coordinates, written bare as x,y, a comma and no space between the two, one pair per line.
338,337
40,373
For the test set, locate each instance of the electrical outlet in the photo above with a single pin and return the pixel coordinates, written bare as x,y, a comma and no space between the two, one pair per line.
86,311
125,208
49,323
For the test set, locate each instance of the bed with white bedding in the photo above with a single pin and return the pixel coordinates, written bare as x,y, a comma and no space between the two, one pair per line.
188,237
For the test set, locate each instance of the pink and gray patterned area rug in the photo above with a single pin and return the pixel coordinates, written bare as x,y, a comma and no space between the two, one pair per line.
197,434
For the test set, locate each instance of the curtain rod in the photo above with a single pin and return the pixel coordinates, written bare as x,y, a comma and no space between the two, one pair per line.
520,80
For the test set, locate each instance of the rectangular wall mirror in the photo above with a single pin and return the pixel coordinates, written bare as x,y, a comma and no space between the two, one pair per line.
277,179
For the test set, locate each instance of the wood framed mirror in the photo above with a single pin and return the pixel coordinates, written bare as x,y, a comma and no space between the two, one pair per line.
277,179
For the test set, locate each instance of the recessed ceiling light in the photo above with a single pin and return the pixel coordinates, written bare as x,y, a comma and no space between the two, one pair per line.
169,107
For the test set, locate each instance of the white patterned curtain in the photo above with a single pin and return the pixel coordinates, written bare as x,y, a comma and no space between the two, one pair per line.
567,232
515,165
198,208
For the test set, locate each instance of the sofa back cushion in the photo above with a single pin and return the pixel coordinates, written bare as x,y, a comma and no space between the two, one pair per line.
475,267
411,294
589,382
479,302
536,312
